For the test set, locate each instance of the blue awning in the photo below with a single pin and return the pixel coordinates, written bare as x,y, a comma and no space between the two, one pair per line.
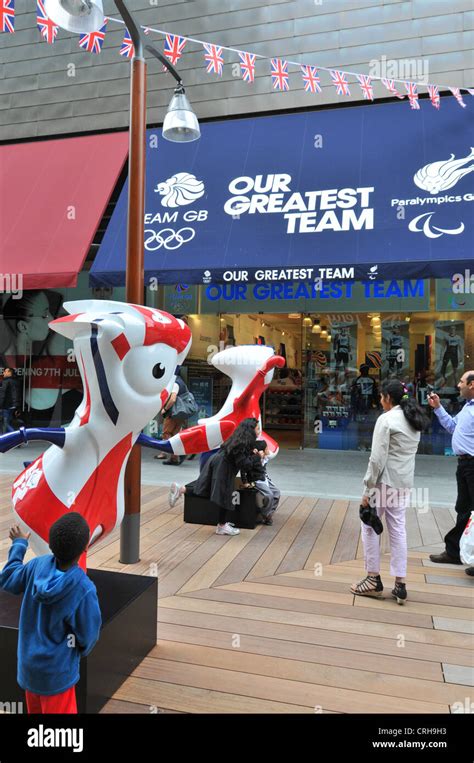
375,191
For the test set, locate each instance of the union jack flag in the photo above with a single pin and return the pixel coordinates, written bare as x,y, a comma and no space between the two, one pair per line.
390,85
366,86
457,94
214,58
434,95
311,79
174,46
7,15
470,90
128,48
93,41
412,91
340,82
280,74
247,66
49,31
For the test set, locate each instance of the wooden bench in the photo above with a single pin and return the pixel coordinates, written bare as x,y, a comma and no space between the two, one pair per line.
202,511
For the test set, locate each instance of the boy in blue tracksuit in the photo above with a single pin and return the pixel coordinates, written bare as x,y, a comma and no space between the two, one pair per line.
60,617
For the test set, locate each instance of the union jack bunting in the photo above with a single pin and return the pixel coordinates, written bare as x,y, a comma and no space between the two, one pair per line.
247,66
93,41
470,90
390,85
280,74
311,79
7,15
214,58
434,95
411,88
340,82
49,31
127,48
457,94
174,46
366,86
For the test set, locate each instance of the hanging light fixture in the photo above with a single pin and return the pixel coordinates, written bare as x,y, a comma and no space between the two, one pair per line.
324,332
79,16
316,327
375,320
180,124
307,321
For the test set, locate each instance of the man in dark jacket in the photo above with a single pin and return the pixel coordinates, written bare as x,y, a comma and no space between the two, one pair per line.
8,399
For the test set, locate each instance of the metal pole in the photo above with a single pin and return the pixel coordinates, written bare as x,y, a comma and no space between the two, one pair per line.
130,529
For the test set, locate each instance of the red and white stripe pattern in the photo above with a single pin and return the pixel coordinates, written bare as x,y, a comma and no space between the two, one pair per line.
366,86
311,79
280,74
214,58
390,85
434,95
457,94
247,66
412,92
340,82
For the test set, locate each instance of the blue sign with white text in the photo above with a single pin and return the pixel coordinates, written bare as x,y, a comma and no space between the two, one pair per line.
370,192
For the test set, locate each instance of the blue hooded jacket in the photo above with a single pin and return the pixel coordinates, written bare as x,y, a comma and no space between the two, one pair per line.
60,619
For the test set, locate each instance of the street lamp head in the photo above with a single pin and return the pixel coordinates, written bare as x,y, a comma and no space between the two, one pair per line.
180,124
79,16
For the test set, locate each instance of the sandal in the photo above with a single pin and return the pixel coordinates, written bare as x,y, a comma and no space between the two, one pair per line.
369,586
400,593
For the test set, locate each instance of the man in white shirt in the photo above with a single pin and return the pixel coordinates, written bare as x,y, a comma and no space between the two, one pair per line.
461,427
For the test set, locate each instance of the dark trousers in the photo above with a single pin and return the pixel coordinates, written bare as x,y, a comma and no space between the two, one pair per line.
464,504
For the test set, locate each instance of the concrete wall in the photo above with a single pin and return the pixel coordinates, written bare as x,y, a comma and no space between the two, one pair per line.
39,98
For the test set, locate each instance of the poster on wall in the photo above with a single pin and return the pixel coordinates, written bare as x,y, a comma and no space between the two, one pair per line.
449,364
48,382
395,349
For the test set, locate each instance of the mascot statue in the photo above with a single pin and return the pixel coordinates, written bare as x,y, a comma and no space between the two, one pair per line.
128,356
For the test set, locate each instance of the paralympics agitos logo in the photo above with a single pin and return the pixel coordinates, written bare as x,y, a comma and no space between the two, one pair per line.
435,178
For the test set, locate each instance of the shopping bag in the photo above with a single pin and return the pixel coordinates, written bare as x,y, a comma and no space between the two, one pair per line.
466,546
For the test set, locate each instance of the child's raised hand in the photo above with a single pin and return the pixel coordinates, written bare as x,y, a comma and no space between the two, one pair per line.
17,532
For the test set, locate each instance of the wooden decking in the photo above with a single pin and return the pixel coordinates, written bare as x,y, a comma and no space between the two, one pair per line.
264,622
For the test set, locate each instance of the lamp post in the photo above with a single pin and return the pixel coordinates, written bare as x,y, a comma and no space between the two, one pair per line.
180,125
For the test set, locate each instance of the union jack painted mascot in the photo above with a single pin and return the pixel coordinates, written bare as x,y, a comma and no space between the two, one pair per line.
128,357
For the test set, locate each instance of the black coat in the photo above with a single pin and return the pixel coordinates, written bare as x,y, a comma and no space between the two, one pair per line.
8,393
217,479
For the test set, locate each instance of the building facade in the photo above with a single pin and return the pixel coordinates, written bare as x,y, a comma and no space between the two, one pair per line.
350,298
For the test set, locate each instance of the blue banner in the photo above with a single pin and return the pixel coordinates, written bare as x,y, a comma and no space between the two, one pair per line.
369,192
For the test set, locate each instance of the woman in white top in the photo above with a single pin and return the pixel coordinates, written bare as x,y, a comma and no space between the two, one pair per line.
387,484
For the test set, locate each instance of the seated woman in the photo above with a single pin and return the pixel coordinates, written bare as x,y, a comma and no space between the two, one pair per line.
217,479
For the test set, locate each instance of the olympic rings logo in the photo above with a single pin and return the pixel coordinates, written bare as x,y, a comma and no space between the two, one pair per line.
168,238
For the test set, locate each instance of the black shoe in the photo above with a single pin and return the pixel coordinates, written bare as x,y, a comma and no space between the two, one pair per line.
169,462
400,593
369,586
444,558
469,571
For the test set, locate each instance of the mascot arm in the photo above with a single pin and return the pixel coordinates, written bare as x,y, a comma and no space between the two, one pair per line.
149,442
22,435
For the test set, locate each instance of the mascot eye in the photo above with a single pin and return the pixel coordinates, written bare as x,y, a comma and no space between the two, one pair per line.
158,371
